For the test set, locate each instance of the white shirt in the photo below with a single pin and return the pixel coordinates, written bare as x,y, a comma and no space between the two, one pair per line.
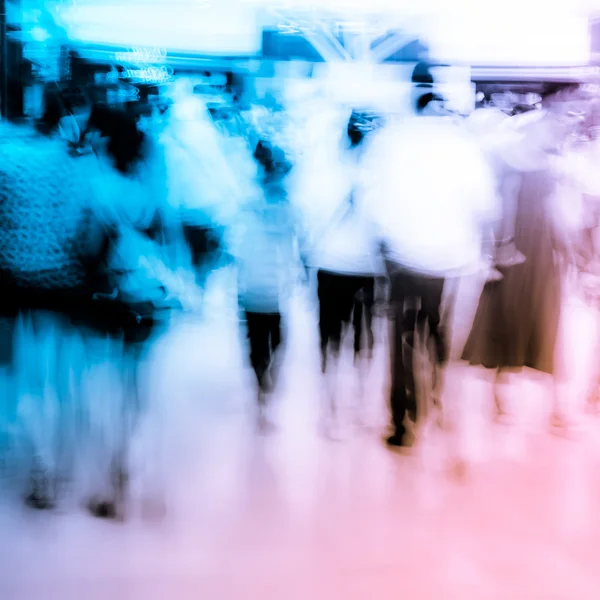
429,191
342,239
208,176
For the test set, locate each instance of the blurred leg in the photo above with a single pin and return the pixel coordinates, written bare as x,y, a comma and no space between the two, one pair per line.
106,392
369,304
277,348
431,303
260,352
8,401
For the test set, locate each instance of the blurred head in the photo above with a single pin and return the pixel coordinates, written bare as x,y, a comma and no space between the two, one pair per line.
272,161
356,130
565,109
430,104
124,140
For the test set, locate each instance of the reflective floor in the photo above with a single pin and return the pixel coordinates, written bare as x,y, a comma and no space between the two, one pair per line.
295,515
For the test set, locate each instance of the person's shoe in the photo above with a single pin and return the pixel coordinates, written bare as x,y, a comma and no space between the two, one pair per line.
399,440
103,509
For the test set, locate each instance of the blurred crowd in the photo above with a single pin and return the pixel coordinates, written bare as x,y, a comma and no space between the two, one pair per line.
111,222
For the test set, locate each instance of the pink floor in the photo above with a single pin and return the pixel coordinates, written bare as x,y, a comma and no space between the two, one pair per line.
293,515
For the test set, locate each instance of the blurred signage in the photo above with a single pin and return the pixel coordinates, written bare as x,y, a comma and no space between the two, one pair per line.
144,65
157,75
140,56
150,75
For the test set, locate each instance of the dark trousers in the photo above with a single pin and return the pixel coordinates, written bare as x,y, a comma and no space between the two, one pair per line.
364,303
416,301
264,335
340,298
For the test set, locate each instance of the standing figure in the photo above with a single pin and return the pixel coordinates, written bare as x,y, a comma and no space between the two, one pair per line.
344,256
264,254
131,307
50,245
430,196
207,175
516,324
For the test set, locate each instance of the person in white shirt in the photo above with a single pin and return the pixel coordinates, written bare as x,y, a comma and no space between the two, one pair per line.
345,258
429,193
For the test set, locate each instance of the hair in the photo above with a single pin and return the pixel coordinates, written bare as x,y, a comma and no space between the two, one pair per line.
422,74
355,133
272,159
425,100
125,140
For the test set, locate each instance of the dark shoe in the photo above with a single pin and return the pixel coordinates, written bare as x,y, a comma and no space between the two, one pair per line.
398,441
103,509
113,505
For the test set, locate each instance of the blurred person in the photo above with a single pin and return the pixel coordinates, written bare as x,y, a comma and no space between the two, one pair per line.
135,303
207,179
430,195
50,246
264,261
580,210
517,322
489,126
343,254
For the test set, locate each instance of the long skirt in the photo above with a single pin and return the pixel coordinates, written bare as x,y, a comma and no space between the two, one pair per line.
517,321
